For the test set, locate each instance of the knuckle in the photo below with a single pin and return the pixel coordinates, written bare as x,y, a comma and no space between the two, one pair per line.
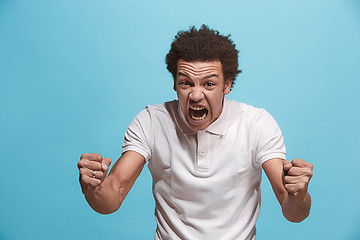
81,164
289,188
95,182
307,173
84,163
287,163
297,161
303,185
82,171
98,166
96,156
107,161
311,166
83,178
84,155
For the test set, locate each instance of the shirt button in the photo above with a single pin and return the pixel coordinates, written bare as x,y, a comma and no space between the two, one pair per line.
203,151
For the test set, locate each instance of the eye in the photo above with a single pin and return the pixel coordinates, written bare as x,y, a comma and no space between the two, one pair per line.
184,83
210,84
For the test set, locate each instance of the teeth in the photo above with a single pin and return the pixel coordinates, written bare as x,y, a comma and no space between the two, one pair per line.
197,108
199,118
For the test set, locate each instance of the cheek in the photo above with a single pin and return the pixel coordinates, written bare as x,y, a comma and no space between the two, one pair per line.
182,96
216,106
217,110
182,101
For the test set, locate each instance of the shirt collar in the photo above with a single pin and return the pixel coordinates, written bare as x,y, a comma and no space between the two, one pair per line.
218,127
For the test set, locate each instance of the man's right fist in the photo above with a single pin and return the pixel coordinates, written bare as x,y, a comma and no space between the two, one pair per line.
93,170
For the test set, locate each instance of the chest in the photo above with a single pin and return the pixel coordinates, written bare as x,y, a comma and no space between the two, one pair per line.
203,162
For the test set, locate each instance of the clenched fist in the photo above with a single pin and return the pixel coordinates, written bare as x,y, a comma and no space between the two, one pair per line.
93,170
297,175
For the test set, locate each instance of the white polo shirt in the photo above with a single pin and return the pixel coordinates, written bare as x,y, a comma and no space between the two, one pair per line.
206,184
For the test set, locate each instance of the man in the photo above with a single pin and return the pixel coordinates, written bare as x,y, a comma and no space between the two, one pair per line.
205,153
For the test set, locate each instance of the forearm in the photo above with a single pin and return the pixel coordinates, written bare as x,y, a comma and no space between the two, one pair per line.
106,194
104,199
296,209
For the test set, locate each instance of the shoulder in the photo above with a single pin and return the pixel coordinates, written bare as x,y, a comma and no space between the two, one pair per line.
245,111
157,115
166,106
253,118
165,109
153,118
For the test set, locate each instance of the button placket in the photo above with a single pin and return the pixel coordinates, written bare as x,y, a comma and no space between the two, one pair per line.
203,156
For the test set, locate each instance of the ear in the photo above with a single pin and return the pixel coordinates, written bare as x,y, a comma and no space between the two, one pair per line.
227,86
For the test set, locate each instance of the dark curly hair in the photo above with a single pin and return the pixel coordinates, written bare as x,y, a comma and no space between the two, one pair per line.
204,45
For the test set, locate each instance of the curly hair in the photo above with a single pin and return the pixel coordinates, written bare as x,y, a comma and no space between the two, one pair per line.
204,45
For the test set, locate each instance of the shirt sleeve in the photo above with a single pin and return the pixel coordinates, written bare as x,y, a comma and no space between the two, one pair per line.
268,139
137,136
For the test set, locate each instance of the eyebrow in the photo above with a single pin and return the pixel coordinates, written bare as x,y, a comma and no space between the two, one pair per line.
183,74
212,75
209,76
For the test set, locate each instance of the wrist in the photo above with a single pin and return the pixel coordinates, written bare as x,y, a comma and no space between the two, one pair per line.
296,208
90,191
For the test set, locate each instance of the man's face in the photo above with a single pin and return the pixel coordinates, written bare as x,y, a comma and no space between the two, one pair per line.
200,88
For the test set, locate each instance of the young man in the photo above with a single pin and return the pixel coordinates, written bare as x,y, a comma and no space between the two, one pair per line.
205,153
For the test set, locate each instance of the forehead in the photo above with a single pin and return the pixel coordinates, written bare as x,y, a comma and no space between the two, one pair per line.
199,68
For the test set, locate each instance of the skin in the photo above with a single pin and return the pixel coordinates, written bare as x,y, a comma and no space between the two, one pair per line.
201,85
106,194
290,181
198,85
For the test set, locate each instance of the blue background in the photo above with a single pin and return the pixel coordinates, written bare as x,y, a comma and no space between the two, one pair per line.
75,73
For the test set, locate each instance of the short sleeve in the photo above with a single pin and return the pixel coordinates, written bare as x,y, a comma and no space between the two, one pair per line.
268,138
138,135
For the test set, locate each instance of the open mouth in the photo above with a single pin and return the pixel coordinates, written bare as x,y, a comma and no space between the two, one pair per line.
198,113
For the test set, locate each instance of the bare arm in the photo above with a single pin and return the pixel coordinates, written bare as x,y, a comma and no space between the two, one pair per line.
289,181
106,194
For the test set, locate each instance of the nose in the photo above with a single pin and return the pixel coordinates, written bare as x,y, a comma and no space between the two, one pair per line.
196,94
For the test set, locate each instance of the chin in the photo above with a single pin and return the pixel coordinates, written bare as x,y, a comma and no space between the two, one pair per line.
198,127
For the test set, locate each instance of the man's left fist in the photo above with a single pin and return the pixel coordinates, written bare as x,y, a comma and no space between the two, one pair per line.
297,175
